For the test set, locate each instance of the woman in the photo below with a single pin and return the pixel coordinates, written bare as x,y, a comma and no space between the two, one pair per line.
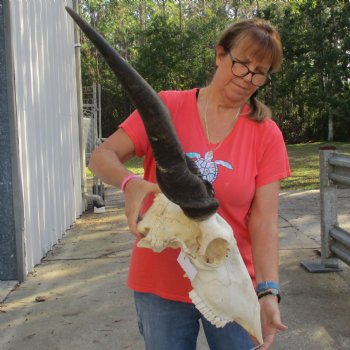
240,150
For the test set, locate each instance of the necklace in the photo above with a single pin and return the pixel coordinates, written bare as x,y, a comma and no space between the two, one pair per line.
213,149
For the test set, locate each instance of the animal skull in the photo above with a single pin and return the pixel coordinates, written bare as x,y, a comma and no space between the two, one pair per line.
222,289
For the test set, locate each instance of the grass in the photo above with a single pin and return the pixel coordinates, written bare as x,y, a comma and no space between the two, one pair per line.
88,172
304,162
135,165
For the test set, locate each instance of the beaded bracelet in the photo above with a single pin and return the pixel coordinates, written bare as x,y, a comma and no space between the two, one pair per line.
270,292
127,179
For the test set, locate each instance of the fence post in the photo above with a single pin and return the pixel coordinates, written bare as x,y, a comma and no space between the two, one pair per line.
329,214
329,217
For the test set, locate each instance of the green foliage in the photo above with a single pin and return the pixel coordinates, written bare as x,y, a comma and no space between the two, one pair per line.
316,71
171,43
173,57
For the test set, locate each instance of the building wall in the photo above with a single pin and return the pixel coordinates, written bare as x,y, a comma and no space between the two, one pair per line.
8,250
47,120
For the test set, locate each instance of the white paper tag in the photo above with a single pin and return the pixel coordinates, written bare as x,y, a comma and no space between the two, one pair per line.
187,266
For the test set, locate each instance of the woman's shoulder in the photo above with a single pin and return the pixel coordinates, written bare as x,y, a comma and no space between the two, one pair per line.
178,100
177,94
262,132
268,125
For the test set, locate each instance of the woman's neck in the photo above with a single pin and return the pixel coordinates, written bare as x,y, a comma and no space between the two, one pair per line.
210,95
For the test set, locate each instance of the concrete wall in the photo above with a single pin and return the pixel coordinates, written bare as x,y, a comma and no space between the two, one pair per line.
44,79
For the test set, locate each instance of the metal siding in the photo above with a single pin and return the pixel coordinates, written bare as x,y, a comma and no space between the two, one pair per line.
44,61
8,257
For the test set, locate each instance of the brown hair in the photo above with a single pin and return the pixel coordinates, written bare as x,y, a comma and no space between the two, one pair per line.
262,41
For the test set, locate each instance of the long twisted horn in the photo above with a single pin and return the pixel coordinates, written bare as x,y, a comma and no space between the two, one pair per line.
177,175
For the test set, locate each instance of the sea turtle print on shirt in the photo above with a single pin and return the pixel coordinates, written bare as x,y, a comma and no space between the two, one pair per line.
207,166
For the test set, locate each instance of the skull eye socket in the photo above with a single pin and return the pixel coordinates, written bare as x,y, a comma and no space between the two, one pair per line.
216,249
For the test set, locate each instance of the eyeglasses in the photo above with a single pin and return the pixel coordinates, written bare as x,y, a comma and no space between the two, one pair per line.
241,70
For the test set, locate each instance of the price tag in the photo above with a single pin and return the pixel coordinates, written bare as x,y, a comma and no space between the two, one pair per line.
187,266
257,347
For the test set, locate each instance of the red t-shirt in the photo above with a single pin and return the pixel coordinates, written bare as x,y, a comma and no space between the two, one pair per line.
252,155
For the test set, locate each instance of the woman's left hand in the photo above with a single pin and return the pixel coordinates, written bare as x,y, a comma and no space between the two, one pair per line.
270,320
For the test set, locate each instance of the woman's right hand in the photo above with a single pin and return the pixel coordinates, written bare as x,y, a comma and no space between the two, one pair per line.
135,192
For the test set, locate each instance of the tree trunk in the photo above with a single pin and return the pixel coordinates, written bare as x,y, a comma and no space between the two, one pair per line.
180,15
164,8
330,137
142,13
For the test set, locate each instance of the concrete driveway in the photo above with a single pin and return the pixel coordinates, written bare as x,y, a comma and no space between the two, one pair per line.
78,299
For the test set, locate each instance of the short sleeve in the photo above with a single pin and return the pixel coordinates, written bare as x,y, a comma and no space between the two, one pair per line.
273,163
134,128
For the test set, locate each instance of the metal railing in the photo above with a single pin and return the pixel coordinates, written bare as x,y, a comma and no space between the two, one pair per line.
92,118
335,241
92,136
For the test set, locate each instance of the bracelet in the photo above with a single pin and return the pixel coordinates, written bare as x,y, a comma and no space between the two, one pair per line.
127,179
265,285
270,292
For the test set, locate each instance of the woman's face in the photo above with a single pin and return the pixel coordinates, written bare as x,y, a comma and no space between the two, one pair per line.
234,88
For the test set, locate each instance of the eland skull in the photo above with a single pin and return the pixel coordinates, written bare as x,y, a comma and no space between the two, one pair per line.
222,288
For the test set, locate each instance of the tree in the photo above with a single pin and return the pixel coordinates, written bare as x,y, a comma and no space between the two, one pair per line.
171,43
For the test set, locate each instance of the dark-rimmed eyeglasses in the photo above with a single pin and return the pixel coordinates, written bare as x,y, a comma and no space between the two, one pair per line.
241,70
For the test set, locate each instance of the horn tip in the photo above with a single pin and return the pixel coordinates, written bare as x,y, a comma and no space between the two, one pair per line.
69,10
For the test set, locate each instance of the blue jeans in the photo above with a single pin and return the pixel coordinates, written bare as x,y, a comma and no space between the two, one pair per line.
171,325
